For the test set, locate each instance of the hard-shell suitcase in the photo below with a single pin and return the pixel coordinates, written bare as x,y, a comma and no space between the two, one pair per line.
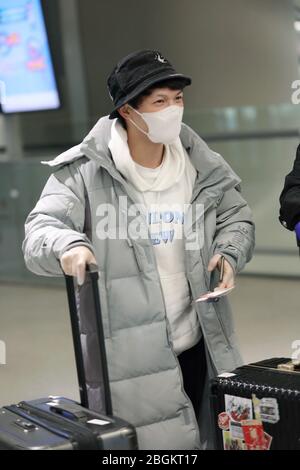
59,423
56,423
257,406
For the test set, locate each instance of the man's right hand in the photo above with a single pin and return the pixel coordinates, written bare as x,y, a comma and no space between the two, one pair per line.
74,261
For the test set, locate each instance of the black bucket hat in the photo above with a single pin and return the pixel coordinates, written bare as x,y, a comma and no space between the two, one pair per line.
136,72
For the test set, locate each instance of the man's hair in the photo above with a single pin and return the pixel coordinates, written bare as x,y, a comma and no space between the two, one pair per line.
171,83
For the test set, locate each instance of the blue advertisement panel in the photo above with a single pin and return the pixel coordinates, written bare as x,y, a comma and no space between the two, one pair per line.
27,77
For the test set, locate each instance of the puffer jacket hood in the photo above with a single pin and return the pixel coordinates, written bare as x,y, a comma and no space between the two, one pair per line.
214,172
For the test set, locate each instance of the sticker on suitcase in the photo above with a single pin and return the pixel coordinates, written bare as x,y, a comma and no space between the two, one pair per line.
246,435
242,431
238,408
254,435
253,432
269,411
224,421
236,430
98,422
229,443
266,409
268,441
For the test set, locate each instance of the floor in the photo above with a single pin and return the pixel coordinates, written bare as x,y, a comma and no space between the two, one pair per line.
34,325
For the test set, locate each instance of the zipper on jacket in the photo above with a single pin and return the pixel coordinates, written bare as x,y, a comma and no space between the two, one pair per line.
176,358
169,342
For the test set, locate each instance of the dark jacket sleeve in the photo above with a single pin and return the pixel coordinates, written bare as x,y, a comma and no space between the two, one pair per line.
289,214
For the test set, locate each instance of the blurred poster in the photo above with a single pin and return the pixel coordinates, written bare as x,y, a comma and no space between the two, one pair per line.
26,71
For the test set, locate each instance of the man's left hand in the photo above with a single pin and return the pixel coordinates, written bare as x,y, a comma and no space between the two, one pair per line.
228,276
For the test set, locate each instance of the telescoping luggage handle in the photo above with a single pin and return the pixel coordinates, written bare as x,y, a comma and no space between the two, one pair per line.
93,272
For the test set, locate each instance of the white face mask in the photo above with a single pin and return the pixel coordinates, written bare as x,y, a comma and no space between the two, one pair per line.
164,126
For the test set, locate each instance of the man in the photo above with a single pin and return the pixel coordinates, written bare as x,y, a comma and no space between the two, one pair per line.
289,215
146,198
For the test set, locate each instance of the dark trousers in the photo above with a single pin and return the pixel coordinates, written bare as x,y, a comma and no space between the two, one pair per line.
193,366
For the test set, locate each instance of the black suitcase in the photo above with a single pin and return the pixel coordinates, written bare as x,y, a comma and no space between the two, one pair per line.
59,423
257,406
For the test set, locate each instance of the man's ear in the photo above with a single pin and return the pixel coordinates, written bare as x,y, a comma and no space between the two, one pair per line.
123,111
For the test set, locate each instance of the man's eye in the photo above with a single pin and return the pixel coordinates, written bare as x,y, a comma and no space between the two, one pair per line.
162,101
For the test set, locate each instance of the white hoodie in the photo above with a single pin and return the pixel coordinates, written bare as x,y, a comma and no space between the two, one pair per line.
164,191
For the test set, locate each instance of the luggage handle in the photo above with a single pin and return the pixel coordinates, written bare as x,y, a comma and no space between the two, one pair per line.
70,412
291,366
288,367
93,271
67,411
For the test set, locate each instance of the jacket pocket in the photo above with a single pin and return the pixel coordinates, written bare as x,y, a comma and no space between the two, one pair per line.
137,255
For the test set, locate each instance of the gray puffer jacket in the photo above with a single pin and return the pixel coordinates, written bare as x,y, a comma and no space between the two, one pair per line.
145,376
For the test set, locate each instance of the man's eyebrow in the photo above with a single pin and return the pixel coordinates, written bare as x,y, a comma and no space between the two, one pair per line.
165,96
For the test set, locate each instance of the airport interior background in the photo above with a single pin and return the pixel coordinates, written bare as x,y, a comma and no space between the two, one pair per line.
243,56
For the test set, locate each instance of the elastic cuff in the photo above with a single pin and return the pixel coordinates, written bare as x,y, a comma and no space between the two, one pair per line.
63,243
77,243
229,257
232,261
